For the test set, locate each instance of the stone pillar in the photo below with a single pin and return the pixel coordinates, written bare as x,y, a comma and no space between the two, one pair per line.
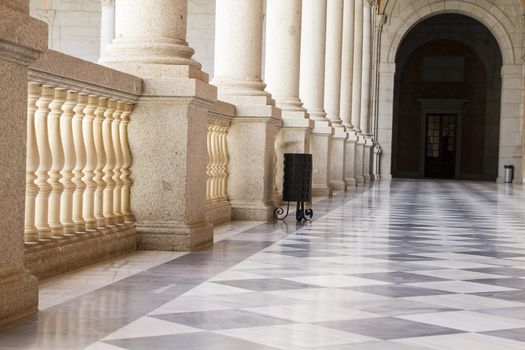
168,128
23,39
251,139
311,89
347,71
357,90
366,87
107,25
332,92
283,31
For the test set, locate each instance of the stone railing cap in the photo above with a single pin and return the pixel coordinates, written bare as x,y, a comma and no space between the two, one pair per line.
85,73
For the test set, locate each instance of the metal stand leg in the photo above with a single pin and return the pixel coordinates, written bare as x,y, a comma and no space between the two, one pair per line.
303,214
278,212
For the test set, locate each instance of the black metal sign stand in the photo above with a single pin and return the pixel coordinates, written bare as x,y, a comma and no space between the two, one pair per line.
301,214
297,186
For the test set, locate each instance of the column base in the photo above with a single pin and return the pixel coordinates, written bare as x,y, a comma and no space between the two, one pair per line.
339,185
350,181
320,147
18,295
360,180
320,191
253,211
174,236
337,159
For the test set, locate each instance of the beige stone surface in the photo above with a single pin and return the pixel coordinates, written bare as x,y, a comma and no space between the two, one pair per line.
168,128
65,67
49,258
23,39
251,138
503,19
219,213
337,160
350,144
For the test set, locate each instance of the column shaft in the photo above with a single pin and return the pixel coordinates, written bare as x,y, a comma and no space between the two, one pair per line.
283,32
332,96
347,63
238,47
107,25
357,65
334,37
347,72
251,139
313,39
366,69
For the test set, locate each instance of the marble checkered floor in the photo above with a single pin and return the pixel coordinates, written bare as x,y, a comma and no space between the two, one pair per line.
402,265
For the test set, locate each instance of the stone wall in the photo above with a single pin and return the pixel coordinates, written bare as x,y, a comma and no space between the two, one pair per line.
478,82
504,19
74,27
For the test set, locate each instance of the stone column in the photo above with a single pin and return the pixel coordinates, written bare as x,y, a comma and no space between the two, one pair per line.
168,128
366,87
311,89
377,24
23,39
107,25
251,139
283,31
347,72
332,91
357,90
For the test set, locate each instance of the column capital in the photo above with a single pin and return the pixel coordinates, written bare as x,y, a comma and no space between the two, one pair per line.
107,3
381,20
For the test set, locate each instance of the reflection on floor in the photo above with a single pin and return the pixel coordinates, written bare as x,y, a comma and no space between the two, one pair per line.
402,265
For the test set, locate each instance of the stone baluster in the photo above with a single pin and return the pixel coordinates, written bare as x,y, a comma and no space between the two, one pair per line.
115,133
109,164
44,154
126,156
91,163
209,175
103,104
80,156
57,163
216,162
66,132
32,162
224,163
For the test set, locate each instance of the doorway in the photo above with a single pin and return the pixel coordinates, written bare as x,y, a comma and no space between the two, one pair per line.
440,153
447,101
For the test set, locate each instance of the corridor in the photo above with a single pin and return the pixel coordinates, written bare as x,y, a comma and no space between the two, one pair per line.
400,265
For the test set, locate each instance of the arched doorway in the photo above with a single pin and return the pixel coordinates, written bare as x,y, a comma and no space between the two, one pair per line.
447,101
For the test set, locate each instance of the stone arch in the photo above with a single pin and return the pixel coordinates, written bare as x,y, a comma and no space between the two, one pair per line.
481,10
475,47
502,20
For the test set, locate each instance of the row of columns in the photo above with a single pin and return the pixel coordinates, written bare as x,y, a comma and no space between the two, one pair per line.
335,78
317,99
169,130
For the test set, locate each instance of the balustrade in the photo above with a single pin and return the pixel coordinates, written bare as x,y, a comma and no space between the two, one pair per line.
78,161
217,169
